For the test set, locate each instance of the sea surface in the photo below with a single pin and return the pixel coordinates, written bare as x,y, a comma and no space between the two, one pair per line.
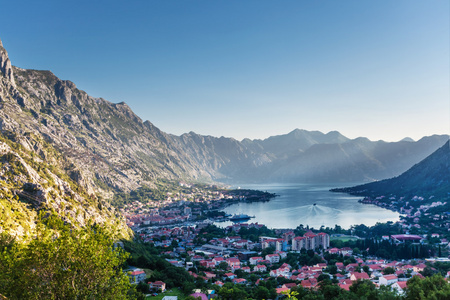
295,206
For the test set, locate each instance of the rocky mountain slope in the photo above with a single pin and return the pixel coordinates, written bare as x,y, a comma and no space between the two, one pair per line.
35,177
430,177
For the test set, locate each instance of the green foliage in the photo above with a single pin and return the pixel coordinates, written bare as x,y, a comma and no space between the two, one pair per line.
435,287
232,292
254,233
63,263
147,256
388,271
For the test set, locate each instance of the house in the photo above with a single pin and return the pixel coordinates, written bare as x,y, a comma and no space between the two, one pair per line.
334,251
219,283
289,285
309,283
136,276
246,269
388,279
157,285
282,290
233,262
207,263
419,268
400,286
345,286
255,260
282,254
218,260
210,275
321,265
240,281
273,258
260,268
346,251
356,275
230,275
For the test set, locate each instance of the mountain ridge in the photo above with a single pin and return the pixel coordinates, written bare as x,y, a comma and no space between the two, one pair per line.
114,149
429,177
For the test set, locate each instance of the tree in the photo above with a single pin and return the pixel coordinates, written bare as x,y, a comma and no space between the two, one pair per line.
388,271
262,293
367,270
364,289
232,292
62,262
434,287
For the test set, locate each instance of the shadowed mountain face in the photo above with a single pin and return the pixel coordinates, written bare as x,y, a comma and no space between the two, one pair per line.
107,146
430,177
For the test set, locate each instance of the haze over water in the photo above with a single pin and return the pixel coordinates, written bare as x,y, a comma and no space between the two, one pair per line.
295,206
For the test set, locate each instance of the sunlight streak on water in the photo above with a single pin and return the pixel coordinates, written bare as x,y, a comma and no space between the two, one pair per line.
295,206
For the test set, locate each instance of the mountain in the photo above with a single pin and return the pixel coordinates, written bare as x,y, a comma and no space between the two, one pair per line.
108,148
430,177
303,156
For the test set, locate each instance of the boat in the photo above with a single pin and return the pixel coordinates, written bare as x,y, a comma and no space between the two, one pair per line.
241,217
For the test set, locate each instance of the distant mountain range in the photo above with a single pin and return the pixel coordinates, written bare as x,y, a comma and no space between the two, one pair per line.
108,147
430,177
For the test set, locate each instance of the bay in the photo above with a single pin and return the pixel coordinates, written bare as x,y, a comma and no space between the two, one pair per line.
295,206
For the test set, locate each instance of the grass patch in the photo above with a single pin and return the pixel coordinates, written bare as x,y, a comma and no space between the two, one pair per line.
172,292
344,238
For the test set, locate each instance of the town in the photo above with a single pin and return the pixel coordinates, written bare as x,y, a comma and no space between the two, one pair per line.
274,262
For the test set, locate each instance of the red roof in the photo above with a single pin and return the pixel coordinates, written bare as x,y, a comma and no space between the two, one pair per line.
362,275
137,273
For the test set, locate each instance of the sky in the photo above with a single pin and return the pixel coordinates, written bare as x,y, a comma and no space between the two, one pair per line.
249,69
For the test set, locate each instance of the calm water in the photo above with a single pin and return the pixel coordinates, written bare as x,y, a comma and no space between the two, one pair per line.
294,206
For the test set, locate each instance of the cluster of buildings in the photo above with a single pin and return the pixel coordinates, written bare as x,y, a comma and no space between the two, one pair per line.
290,242
232,258
415,214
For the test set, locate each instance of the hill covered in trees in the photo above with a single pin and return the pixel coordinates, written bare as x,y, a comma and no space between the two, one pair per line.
430,177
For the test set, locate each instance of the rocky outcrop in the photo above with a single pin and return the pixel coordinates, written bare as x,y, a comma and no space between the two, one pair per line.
5,65
28,186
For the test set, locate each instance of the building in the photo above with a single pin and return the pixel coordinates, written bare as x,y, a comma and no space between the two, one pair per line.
311,241
356,275
388,279
157,285
324,240
136,276
273,258
298,243
254,260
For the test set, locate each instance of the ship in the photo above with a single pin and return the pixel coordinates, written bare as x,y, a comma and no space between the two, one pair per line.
241,217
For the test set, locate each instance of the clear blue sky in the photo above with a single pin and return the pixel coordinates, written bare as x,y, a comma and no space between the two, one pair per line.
253,69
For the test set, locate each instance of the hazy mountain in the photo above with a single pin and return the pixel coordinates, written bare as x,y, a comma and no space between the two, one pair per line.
430,177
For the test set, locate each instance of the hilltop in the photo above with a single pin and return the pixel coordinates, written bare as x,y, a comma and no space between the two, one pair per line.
430,177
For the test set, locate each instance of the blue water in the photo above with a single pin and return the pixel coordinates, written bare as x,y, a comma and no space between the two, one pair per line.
295,206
